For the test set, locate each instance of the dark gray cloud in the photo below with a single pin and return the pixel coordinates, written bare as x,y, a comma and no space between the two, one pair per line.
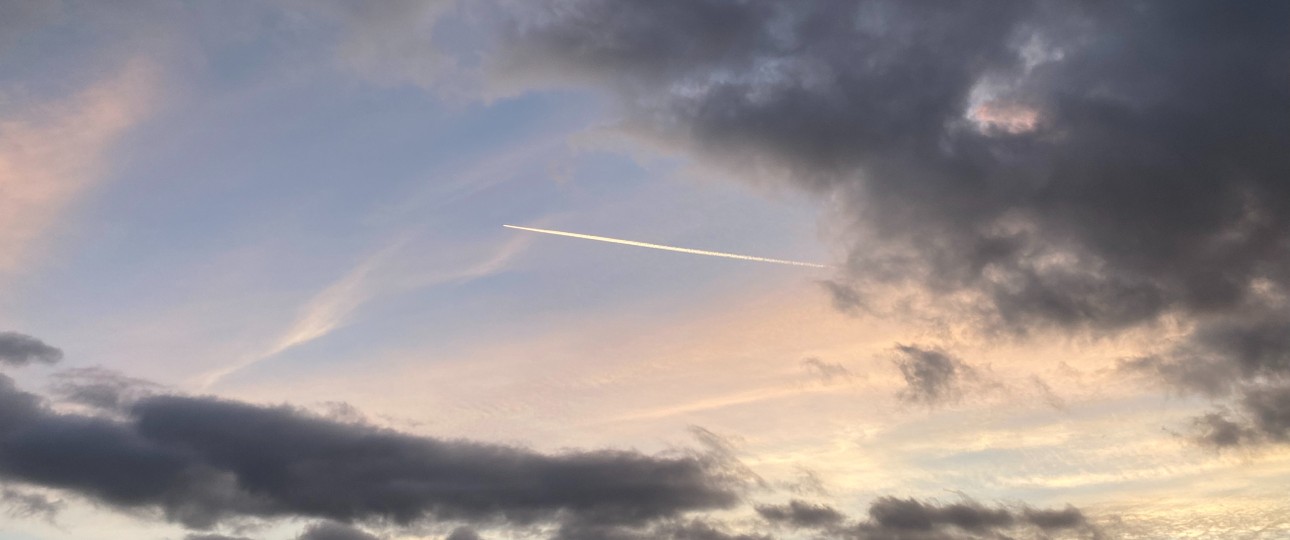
892,518
931,376
329,530
202,460
910,514
801,514
1269,410
1216,429
1078,166
1243,359
889,518
845,298
675,530
463,533
20,349
1261,414
873,101
895,518
700,530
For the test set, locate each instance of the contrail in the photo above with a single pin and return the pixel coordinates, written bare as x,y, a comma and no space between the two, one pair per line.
667,248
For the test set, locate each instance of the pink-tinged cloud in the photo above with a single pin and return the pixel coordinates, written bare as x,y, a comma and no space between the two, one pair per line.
51,152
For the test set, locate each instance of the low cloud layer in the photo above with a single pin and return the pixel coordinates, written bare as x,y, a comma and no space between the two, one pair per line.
801,514
1064,166
336,531
463,533
201,461
896,518
204,462
891,517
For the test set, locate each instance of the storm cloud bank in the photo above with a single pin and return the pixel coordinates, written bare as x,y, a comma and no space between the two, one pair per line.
204,462
1068,166
201,461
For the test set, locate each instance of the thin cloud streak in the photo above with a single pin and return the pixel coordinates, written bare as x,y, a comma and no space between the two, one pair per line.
667,248
741,398
333,307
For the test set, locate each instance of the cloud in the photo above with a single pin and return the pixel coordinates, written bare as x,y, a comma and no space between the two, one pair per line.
1219,431
23,505
1243,360
52,152
808,482
1047,394
801,514
1269,409
334,306
678,530
827,372
205,461
931,376
910,514
889,518
328,530
391,43
723,453
845,298
20,349
213,537
202,461
1060,224
1261,415
1057,166
895,518
101,388
328,310
463,533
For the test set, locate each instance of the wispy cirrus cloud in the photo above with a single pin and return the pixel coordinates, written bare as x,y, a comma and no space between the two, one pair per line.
378,274
52,152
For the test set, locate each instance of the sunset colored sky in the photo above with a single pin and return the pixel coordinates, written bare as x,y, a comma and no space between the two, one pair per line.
255,284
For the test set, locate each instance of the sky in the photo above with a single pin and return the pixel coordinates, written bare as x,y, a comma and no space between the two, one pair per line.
255,281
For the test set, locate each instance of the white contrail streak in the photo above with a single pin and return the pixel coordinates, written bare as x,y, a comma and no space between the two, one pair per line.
667,248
